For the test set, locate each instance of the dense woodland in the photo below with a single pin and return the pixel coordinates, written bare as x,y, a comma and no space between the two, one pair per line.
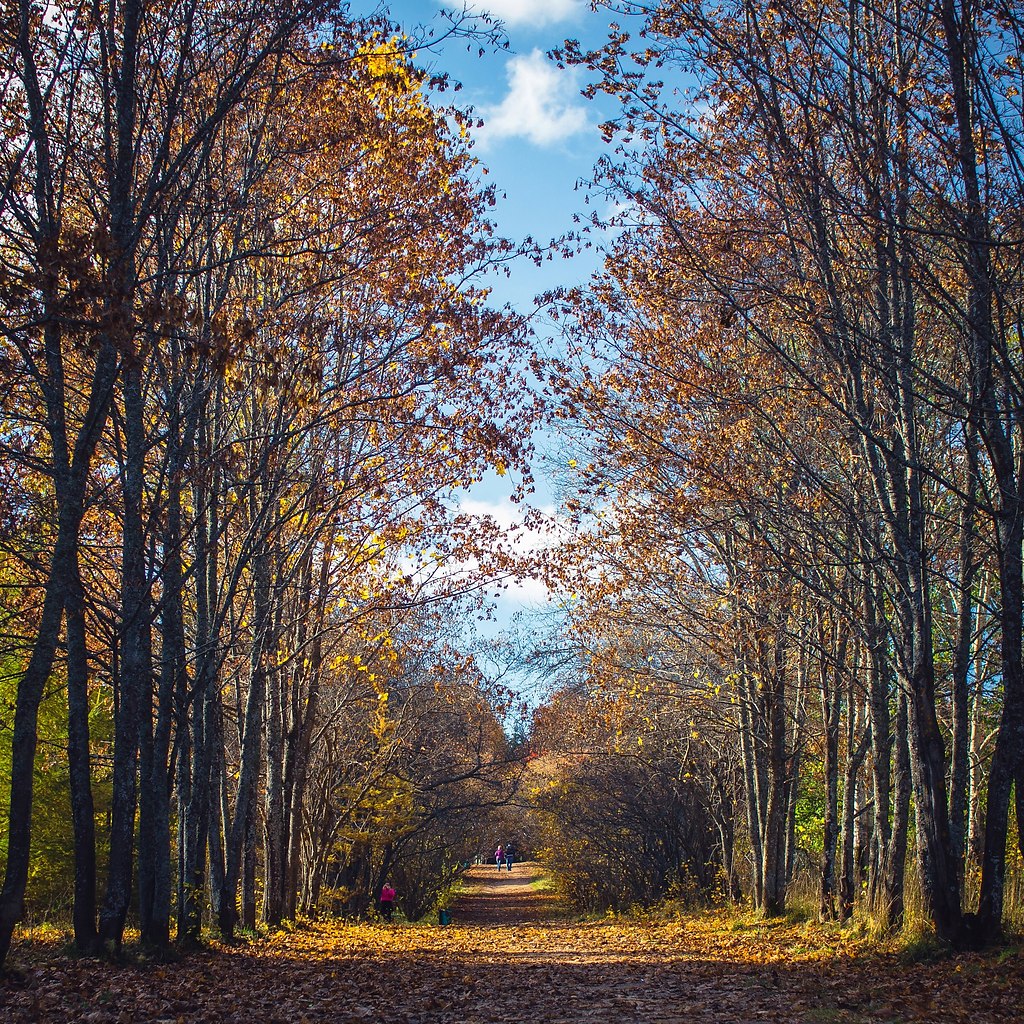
795,398
251,363
247,363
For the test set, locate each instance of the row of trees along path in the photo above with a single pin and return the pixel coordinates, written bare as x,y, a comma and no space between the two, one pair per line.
514,954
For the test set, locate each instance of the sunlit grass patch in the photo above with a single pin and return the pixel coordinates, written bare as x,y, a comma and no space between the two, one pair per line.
545,885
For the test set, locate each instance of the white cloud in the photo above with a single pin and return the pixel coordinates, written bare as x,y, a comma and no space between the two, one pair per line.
526,12
525,592
542,104
509,517
518,540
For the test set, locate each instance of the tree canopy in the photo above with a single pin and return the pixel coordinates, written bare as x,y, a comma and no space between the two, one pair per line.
252,359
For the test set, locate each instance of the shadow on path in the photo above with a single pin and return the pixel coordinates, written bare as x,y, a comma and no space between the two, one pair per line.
512,958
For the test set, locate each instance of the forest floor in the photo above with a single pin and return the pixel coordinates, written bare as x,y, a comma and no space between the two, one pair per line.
511,956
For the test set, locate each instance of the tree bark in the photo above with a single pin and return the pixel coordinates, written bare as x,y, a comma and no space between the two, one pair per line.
249,769
196,772
70,473
994,408
134,682
830,712
155,784
960,670
82,809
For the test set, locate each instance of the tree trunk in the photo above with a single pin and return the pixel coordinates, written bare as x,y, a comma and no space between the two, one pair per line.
249,769
994,406
895,862
155,783
249,870
847,882
774,843
879,691
939,880
62,575
134,682
960,669
82,809
195,776
70,473
273,899
975,813
750,787
220,810
830,712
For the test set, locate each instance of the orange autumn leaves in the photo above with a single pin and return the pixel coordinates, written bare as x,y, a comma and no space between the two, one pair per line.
699,969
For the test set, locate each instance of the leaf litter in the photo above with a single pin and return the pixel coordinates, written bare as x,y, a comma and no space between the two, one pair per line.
510,957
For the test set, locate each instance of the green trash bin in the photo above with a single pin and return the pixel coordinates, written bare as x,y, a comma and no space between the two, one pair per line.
444,917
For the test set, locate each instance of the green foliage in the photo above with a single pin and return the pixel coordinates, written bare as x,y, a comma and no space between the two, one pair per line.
51,869
810,810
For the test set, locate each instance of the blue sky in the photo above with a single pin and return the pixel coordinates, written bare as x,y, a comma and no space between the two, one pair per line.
540,137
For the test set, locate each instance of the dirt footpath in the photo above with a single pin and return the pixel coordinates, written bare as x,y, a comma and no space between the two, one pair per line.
512,957
492,897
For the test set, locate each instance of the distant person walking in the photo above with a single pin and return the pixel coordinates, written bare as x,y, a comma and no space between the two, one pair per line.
509,857
499,856
387,902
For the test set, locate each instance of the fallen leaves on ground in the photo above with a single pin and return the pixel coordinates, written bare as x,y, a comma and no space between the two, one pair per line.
519,962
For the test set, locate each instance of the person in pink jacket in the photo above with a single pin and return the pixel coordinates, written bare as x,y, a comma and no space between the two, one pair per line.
499,856
387,901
